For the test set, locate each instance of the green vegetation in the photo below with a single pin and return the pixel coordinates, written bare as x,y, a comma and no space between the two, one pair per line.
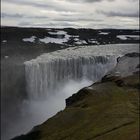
104,111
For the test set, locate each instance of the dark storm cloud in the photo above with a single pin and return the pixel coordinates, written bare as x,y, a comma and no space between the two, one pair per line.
134,14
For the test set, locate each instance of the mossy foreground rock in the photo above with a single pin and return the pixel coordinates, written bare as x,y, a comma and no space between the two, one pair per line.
107,110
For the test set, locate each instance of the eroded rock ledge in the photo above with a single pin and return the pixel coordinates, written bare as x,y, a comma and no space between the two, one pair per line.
106,110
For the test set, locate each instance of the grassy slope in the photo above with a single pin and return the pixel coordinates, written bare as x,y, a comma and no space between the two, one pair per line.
105,111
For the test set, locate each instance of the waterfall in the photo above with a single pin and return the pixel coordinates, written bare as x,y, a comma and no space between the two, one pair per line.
46,77
48,73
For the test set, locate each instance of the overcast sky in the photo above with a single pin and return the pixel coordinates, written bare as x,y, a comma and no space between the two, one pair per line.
70,13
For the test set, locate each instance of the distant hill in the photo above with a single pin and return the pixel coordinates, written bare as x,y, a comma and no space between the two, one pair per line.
67,36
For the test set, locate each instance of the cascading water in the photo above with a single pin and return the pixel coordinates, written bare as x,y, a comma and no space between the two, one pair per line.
49,72
47,76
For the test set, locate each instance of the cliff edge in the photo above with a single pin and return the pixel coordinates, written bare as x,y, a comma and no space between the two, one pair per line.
106,110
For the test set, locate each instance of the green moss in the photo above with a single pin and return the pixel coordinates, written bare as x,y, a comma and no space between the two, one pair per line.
107,112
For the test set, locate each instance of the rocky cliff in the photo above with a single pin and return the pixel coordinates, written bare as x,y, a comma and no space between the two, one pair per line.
106,110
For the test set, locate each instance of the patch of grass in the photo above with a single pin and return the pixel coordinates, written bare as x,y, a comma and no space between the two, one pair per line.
107,112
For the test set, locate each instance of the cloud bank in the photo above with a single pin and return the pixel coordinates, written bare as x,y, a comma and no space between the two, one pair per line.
70,13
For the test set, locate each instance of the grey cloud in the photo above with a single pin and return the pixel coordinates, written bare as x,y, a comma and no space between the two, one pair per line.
134,14
25,24
92,1
62,18
50,24
133,0
43,5
16,15
77,19
89,1
7,15
70,13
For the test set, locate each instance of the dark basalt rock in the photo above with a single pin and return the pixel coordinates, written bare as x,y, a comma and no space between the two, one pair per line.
77,97
117,79
134,54
138,66
31,136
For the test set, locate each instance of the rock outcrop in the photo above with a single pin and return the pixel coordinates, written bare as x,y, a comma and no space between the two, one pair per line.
106,110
